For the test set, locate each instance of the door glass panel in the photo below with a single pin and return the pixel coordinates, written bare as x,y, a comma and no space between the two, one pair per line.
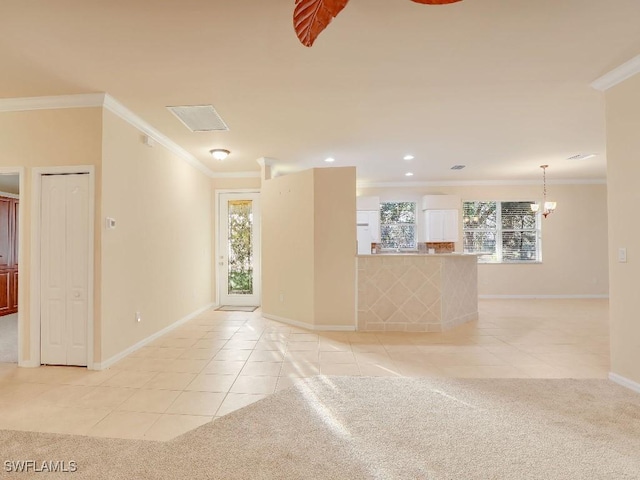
240,276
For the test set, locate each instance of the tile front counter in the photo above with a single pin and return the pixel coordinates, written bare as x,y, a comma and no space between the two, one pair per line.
416,293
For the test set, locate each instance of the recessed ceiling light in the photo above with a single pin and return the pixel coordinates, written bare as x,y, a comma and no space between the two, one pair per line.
408,157
219,153
458,167
408,174
330,160
582,156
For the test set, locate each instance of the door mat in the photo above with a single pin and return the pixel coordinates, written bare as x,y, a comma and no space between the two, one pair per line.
235,308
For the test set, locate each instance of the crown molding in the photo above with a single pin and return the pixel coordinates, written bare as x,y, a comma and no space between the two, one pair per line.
128,116
88,100
617,75
106,101
25,104
253,174
479,183
266,161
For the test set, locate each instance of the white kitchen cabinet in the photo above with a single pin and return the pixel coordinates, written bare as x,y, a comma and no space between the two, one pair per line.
441,225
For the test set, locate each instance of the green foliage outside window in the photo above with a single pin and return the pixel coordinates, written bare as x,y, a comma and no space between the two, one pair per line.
501,232
398,225
240,248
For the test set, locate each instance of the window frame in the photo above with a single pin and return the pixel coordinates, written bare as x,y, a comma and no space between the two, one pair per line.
499,254
414,224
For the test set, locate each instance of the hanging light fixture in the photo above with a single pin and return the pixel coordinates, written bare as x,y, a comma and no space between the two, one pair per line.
549,207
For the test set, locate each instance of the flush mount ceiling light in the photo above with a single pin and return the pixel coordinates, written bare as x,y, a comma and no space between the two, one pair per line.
408,174
549,207
408,157
219,153
329,159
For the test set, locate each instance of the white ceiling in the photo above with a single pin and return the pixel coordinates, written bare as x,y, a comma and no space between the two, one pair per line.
501,86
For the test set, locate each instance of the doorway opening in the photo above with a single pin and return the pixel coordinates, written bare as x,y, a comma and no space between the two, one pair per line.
9,249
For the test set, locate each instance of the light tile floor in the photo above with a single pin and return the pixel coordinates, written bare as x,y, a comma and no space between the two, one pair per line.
222,361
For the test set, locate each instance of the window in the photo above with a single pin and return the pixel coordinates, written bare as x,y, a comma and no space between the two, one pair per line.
398,225
501,232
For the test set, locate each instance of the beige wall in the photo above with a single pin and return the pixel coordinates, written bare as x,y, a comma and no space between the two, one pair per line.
288,247
335,246
308,247
45,138
574,238
229,185
623,171
158,258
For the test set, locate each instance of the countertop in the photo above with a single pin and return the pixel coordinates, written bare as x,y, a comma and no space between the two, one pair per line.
410,254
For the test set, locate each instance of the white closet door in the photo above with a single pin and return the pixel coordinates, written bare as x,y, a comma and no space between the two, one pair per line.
53,271
64,260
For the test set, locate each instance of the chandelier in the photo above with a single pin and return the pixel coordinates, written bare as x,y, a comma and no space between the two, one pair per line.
549,207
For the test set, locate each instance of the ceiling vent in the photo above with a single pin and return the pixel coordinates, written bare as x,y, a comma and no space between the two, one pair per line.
582,156
458,167
199,118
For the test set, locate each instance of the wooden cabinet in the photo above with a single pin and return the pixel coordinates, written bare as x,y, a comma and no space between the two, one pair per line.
9,208
441,225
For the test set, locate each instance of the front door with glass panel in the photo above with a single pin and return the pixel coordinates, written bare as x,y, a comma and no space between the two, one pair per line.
238,254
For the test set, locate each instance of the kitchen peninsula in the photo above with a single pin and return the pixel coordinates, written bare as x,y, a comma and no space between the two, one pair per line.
416,292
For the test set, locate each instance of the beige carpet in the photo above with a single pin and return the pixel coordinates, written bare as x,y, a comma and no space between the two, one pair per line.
381,428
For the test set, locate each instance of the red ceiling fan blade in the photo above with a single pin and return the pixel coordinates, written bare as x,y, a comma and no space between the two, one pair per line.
311,17
435,2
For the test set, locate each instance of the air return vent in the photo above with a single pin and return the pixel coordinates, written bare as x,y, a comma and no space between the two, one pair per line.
458,167
199,118
582,156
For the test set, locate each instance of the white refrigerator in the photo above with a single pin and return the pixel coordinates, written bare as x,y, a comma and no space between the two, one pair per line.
367,231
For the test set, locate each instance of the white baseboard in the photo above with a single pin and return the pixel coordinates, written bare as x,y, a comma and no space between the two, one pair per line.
119,356
319,328
498,297
625,382
28,364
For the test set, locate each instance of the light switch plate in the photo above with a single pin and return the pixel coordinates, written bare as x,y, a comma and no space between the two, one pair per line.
622,255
